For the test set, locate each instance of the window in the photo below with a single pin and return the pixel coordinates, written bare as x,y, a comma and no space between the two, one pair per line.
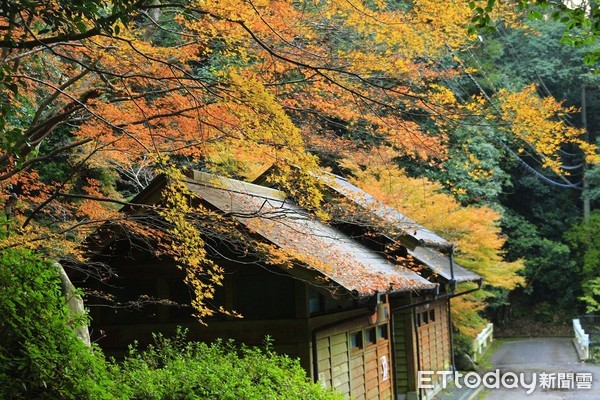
356,340
315,302
370,337
424,317
180,293
323,302
382,332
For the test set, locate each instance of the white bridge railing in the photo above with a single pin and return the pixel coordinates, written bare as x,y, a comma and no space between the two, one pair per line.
482,341
582,340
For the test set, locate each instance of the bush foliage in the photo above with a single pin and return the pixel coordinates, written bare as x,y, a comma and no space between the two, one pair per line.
176,369
42,358
40,355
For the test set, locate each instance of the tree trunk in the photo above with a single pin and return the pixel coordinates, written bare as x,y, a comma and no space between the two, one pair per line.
74,302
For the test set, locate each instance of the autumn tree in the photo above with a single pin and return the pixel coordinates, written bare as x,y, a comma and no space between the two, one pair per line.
541,206
111,88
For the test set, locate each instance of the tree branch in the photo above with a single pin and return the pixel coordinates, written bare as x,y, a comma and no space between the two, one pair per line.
71,36
48,156
55,95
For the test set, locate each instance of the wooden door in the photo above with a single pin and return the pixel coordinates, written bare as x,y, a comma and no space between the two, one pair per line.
433,337
370,365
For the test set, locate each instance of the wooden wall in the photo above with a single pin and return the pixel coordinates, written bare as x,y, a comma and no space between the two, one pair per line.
333,357
434,336
404,351
357,362
426,348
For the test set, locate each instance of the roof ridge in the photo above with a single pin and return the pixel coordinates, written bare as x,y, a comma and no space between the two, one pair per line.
235,185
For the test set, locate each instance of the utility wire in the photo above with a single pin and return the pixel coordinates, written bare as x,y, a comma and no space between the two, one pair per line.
522,162
516,55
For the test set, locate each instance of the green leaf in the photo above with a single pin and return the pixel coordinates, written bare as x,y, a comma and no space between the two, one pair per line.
534,14
81,26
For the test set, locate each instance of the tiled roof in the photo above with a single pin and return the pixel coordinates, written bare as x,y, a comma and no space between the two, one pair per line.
439,264
426,245
318,246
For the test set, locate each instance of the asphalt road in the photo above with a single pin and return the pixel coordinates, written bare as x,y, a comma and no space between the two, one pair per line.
557,358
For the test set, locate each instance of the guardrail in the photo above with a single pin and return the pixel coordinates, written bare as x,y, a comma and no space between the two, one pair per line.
589,320
482,341
582,340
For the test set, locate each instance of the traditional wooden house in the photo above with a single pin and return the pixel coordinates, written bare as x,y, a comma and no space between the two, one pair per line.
358,319
422,328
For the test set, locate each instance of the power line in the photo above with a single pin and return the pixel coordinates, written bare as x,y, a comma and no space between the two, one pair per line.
510,151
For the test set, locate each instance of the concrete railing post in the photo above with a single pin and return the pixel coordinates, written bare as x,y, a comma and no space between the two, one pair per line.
483,339
582,340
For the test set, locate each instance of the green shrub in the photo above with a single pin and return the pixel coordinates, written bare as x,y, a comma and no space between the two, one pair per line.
40,355
175,369
462,344
42,358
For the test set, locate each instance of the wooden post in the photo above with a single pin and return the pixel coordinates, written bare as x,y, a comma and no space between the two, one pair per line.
586,184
